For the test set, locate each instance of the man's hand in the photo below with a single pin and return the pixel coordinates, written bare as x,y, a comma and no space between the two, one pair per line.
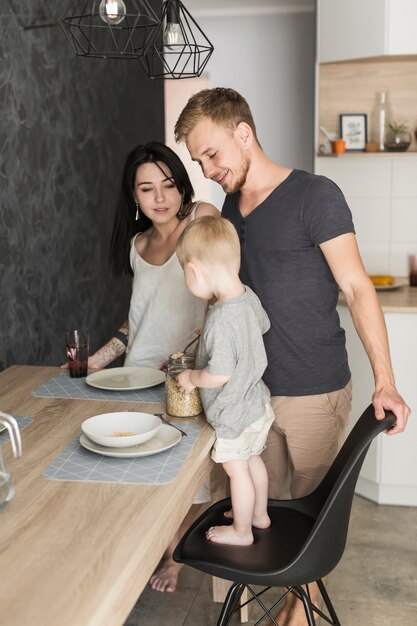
388,399
184,381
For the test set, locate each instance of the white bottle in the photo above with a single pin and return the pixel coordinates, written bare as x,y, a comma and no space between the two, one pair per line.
380,120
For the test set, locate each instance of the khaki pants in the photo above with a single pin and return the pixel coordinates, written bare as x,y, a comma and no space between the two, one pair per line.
304,439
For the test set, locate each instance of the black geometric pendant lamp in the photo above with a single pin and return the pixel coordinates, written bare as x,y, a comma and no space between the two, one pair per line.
168,45
178,48
109,29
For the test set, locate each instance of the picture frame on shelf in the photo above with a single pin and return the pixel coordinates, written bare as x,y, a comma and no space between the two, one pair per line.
353,129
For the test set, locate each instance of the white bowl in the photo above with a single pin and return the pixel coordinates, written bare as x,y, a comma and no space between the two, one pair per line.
110,429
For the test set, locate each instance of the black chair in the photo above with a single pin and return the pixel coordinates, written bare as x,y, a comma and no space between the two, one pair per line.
304,543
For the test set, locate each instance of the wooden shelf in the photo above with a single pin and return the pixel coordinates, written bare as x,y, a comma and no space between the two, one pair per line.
348,87
360,153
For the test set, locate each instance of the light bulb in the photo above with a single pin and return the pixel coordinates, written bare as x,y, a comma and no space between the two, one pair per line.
172,35
112,11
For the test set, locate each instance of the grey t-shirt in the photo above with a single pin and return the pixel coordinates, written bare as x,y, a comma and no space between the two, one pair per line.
283,264
231,344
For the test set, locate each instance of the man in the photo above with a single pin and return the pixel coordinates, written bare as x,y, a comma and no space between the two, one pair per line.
298,248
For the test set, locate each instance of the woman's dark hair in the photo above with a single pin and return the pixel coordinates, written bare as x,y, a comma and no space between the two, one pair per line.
125,225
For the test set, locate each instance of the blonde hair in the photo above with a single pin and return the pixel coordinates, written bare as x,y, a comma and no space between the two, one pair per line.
223,106
211,240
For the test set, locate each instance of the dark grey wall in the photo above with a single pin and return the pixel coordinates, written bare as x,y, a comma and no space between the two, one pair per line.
66,125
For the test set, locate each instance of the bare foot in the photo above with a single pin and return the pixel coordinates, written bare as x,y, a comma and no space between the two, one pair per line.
228,534
166,576
259,521
292,613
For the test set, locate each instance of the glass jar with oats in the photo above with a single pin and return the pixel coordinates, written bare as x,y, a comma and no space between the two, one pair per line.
180,404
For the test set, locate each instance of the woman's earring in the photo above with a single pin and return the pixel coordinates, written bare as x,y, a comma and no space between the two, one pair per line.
137,211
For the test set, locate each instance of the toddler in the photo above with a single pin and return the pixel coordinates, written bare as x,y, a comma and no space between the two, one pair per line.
230,362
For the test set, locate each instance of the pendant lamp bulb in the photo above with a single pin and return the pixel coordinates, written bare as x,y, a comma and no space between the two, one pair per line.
173,35
112,11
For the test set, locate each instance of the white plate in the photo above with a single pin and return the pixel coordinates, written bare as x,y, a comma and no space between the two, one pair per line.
167,437
126,378
388,287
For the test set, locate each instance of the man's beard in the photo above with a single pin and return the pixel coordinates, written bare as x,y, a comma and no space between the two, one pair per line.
241,176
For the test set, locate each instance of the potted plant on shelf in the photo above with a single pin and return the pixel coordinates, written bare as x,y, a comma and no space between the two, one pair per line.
397,138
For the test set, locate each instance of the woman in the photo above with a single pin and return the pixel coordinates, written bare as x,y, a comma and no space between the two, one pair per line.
154,207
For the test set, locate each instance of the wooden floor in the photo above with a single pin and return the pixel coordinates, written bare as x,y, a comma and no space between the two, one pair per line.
375,584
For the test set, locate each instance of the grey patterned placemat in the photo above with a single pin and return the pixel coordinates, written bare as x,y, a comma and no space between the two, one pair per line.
77,463
22,422
63,386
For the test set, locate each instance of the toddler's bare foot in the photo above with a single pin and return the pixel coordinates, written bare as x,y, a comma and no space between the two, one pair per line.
259,521
228,534
165,577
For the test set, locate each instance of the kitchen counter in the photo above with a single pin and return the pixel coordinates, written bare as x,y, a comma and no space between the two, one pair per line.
401,300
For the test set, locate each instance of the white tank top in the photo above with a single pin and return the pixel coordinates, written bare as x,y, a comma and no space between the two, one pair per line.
163,313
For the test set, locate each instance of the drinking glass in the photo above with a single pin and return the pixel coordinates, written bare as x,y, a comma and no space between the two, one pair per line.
77,345
412,269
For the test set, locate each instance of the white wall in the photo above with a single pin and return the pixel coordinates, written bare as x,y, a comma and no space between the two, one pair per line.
177,93
270,59
382,194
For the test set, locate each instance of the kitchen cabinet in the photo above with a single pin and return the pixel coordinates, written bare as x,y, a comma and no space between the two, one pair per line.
357,29
381,191
389,472
382,195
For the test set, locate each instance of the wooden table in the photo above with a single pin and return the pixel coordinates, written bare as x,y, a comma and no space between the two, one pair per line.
79,553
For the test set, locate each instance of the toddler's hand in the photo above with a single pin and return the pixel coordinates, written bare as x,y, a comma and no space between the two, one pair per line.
184,381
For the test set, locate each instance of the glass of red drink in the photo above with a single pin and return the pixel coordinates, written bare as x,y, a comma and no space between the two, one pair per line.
77,345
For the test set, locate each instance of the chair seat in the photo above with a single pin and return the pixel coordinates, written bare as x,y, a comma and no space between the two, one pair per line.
263,562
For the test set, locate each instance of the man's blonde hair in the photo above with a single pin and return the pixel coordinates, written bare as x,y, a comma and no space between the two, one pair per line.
223,106
211,240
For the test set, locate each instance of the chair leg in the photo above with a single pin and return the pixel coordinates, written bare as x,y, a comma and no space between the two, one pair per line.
328,603
307,606
229,606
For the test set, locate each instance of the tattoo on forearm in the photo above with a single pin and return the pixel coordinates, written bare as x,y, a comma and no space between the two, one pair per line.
111,351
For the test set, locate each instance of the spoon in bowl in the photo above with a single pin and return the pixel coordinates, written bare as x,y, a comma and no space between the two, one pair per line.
162,418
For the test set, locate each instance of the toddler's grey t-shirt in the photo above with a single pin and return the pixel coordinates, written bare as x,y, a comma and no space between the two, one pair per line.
231,344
